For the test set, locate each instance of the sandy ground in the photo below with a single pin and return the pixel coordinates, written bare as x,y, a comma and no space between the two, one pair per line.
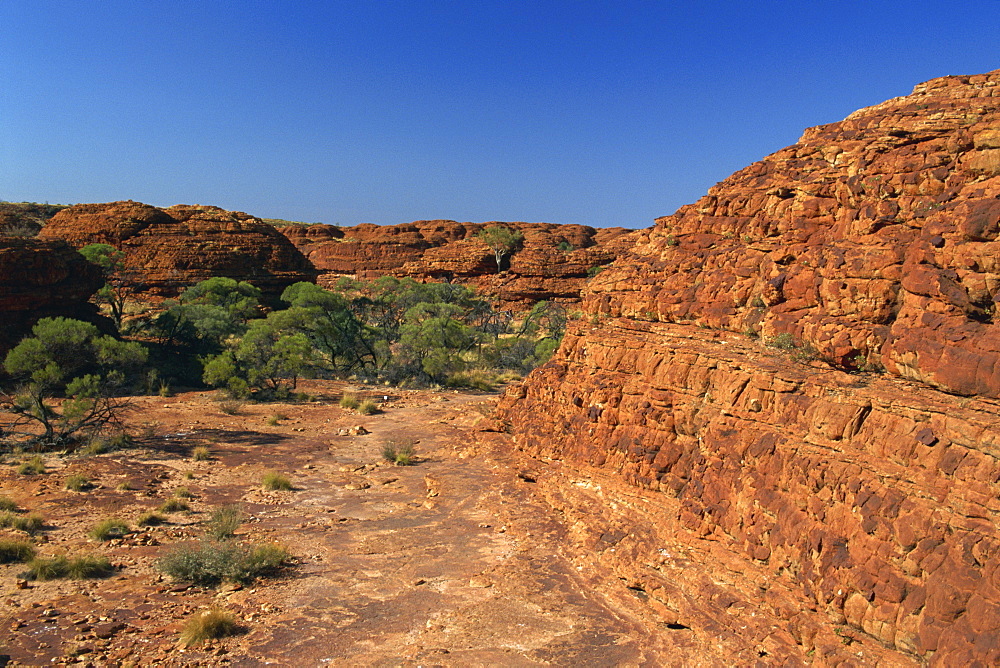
454,561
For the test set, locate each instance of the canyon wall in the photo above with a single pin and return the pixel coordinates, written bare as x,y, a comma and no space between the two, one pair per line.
552,261
805,364
170,249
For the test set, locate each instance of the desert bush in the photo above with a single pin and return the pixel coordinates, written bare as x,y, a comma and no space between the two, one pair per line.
78,483
183,493
7,505
108,529
211,562
350,402
174,505
783,341
478,379
400,454
84,567
27,523
206,625
201,454
33,466
150,519
231,406
368,407
124,486
16,551
224,521
273,481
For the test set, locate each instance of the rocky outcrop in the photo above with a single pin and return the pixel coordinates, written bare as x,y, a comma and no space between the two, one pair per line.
40,279
25,219
805,363
170,249
552,262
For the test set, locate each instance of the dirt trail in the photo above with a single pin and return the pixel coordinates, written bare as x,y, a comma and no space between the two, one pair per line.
453,561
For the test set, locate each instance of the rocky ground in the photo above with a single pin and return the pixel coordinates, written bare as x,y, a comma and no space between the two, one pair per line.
455,560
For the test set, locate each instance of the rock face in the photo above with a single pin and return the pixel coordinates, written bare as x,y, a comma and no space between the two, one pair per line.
40,279
173,248
856,458
552,262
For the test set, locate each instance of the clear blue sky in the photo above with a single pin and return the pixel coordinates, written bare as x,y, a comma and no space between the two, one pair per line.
601,113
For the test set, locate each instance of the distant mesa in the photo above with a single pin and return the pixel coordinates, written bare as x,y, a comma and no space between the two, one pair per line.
173,248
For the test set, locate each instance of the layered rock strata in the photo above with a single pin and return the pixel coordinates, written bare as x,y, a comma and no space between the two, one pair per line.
857,454
41,279
170,249
552,261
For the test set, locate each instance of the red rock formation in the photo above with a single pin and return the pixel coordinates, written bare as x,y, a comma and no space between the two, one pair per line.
41,279
179,246
870,243
446,250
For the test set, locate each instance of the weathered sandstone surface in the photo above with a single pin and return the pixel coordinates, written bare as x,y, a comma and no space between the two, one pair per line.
859,466
40,279
170,249
447,250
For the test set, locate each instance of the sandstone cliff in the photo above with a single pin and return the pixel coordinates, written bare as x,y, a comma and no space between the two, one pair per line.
170,249
857,461
40,279
551,263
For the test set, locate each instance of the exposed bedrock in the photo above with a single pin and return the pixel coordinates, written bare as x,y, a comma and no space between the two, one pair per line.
862,461
552,261
170,249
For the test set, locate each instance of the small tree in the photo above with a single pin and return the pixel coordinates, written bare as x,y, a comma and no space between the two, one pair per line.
501,240
72,360
119,284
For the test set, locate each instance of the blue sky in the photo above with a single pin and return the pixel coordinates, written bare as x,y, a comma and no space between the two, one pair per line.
601,113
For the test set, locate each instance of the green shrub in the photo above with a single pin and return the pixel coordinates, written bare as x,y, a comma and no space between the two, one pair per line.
108,529
210,562
783,341
53,568
400,454
367,407
16,551
7,505
478,379
272,481
224,521
208,624
78,483
183,493
33,466
349,401
175,505
48,569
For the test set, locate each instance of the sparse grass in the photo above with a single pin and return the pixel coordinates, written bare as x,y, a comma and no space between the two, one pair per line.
7,505
27,523
201,454
97,446
211,562
208,624
124,486
33,466
109,529
175,505
231,406
272,481
150,519
78,483
16,551
276,419
188,475
477,379
52,568
368,407
183,493
164,390
400,454
224,521
149,430
350,402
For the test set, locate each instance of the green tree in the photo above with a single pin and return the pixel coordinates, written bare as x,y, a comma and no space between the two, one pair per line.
266,362
433,338
120,285
71,360
207,313
327,320
501,240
